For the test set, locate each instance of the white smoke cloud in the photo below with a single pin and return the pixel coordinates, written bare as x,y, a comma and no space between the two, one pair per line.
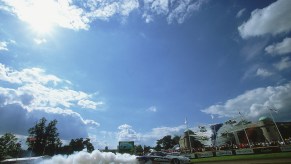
95,157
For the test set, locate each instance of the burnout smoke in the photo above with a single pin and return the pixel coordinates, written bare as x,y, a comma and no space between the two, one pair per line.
96,157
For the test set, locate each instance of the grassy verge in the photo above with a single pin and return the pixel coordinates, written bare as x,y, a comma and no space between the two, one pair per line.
243,157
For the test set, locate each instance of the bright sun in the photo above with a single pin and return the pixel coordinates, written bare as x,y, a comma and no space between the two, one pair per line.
40,15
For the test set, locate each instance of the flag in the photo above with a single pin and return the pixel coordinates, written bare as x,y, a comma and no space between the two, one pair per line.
212,116
185,120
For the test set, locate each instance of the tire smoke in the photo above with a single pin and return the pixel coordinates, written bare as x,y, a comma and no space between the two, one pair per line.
96,157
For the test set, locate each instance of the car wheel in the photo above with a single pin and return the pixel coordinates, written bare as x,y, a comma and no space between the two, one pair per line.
175,161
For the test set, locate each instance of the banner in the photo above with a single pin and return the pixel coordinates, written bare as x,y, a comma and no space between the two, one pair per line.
126,147
224,152
244,151
285,148
264,150
204,154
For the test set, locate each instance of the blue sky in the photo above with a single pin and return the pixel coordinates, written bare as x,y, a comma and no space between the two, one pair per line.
134,69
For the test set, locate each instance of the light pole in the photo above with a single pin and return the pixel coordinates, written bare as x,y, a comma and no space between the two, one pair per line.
242,120
270,111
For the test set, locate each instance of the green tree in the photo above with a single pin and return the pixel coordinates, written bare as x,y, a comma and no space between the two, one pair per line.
67,149
158,147
77,144
9,146
146,149
88,145
80,144
139,150
44,140
176,140
167,142
193,138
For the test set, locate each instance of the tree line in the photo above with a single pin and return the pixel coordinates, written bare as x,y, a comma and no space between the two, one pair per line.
43,139
168,142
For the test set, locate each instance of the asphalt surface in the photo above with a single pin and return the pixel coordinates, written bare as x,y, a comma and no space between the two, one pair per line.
250,161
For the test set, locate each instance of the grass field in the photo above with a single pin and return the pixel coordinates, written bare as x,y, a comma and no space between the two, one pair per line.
243,157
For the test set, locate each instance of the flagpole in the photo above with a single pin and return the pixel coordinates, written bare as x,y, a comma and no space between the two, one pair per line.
244,129
276,125
214,136
188,135
214,131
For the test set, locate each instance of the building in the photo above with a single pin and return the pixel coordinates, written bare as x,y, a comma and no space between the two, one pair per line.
262,131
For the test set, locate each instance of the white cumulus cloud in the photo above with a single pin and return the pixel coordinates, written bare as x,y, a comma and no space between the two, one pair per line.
160,132
240,12
285,63
152,109
174,10
281,48
102,9
3,46
37,94
40,40
46,13
43,15
34,81
89,104
254,103
126,133
32,75
263,72
181,10
273,19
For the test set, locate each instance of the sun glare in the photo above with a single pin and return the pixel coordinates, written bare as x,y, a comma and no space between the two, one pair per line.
40,26
40,15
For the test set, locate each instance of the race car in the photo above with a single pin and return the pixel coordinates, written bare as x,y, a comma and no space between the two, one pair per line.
160,157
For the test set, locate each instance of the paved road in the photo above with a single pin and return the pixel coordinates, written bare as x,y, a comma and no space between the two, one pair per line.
258,161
